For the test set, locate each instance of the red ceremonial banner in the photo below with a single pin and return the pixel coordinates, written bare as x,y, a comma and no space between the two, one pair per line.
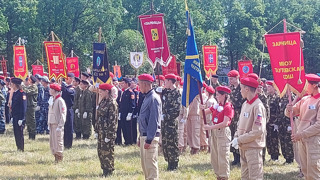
155,39
179,68
287,62
171,68
4,67
73,65
37,69
245,68
210,59
55,59
117,71
20,62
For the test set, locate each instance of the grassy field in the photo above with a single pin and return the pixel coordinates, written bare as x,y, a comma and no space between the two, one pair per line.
81,162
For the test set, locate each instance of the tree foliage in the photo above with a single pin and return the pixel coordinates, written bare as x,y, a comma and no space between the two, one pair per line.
237,27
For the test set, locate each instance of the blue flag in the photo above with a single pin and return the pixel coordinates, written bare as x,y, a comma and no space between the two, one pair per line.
100,67
192,70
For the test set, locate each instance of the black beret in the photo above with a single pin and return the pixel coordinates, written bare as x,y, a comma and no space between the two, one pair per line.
53,80
85,82
85,74
8,79
16,81
33,79
127,80
70,75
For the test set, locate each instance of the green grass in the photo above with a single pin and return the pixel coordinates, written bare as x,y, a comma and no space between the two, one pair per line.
81,162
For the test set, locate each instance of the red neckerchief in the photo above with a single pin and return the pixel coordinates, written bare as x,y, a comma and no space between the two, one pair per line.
252,100
57,96
316,96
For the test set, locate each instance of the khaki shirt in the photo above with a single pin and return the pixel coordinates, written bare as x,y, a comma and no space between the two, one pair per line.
309,110
57,112
251,131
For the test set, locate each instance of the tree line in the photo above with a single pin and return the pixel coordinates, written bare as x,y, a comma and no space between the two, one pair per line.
236,26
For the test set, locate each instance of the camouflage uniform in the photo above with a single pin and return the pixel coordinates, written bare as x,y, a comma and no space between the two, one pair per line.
107,113
264,99
2,111
39,100
272,133
77,122
85,105
169,127
44,109
237,102
284,134
32,94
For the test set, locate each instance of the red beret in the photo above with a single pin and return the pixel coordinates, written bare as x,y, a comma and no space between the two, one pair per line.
105,86
160,76
146,77
233,73
55,86
254,76
261,83
171,76
270,83
179,78
111,74
2,77
251,82
181,83
313,77
205,84
210,89
224,89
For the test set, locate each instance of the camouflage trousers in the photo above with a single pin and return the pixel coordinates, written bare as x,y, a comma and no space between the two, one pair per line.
170,147
42,123
106,153
86,124
272,141
2,120
233,128
285,141
30,120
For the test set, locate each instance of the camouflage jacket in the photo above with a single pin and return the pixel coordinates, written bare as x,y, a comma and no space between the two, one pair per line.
264,99
171,104
76,98
236,98
107,112
274,108
32,95
85,101
283,120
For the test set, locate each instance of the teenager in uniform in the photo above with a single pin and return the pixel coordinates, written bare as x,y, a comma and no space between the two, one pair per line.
220,138
251,132
308,131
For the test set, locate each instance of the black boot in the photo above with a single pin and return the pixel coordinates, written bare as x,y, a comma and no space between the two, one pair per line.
85,136
106,173
32,136
78,135
236,159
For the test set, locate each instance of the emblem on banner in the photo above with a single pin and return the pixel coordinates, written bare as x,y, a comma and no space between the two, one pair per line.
245,69
136,59
154,33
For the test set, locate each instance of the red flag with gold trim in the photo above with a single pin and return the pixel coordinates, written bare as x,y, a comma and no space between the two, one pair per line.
245,68
37,69
20,62
171,68
55,59
73,65
210,59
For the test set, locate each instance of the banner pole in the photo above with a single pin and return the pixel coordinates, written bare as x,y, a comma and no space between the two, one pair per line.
52,36
203,112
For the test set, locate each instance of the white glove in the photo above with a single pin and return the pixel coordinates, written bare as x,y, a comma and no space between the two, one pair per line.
48,128
95,135
159,89
77,111
85,115
119,116
58,129
78,115
275,128
289,128
162,117
129,116
234,143
215,106
106,140
20,122
11,120
183,121
38,108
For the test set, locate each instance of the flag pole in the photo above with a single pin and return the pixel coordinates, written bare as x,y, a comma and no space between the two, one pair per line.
203,111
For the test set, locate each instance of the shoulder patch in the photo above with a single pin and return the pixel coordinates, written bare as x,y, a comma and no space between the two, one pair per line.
258,120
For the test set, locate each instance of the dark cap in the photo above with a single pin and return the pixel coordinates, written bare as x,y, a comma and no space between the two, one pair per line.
45,79
2,82
33,79
135,80
16,81
215,76
114,79
38,76
85,82
53,80
85,74
8,79
77,79
70,75
127,80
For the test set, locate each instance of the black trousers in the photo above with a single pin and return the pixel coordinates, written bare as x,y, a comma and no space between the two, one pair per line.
7,114
134,130
120,130
125,128
68,129
18,134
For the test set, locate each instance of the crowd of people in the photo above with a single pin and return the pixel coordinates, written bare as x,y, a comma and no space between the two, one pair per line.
246,117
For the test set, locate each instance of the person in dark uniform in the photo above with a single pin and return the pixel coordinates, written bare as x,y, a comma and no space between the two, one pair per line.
127,105
39,100
44,106
76,120
3,94
135,111
68,97
18,112
7,112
